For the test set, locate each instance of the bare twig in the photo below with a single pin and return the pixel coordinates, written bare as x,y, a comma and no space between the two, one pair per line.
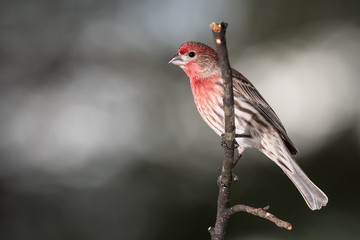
222,216
261,212
224,211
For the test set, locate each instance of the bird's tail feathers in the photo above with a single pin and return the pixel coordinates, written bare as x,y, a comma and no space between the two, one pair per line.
312,195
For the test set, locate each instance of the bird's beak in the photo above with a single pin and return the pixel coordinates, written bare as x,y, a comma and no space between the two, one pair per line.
177,60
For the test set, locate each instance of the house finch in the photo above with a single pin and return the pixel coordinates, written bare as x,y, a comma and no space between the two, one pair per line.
256,122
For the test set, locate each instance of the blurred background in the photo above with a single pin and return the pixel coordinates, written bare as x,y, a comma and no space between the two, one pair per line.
100,138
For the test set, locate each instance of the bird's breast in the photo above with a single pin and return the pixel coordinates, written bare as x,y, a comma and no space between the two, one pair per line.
208,97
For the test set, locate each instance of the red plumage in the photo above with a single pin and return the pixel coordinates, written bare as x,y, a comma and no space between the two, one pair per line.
253,115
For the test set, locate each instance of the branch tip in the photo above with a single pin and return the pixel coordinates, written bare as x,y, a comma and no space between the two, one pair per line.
215,27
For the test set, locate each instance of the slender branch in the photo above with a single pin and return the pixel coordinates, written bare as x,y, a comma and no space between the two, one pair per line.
218,232
261,212
223,206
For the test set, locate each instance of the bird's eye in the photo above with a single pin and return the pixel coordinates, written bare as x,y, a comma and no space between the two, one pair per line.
191,54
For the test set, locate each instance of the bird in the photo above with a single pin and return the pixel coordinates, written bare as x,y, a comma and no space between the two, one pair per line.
256,123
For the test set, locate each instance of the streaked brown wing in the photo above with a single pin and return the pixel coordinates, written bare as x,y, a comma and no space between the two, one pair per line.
254,98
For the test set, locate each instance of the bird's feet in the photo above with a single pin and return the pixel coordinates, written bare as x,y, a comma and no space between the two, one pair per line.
236,145
242,135
224,145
